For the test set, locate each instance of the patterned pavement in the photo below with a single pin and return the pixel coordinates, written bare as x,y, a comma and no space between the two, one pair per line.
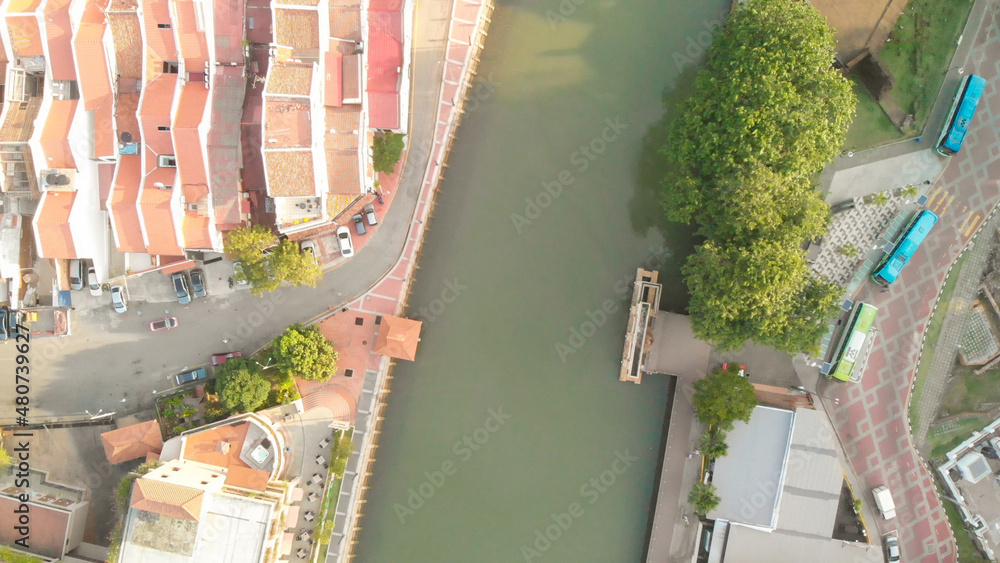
871,416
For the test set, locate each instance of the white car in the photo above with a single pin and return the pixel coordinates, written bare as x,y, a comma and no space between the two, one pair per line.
118,298
95,286
344,239
892,546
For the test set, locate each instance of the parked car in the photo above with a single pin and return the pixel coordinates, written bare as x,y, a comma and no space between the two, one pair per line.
180,288
76,274
118,299
359,224
5,314
163,324
198,283
370,215
221,358
95,286
309,246
197,374
742,371
892,547
344,238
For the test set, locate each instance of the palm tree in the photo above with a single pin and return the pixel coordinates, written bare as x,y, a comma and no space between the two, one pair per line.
910,191
713,443
880,199
703,498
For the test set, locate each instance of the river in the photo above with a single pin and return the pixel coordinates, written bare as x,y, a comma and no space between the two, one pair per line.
512,424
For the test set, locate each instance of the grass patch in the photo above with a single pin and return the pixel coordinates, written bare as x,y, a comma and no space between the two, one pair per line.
931,338
871,126
943,442
920,49
966,549
969,391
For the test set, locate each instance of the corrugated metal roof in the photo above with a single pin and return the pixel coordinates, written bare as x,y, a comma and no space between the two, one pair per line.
25,36
59,35
90,56
229,19
383,110
52,220
157,100
192,46
124,210
156,214
159,41
333,79
224,148
54,138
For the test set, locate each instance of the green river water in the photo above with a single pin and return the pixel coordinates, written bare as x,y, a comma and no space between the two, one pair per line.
514,406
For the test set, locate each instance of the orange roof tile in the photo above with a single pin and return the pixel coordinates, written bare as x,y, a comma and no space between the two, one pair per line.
207,446
191,163
290,79
196,231
398,338
52,220
132,442
124,213
127,35
25,37
333,80
191,106
343,172
352,77
91,59
22,6
192,46
154,112
298,29
59,34
156,213
159,41
345,23
290,173
244,477
126,116
287,124
55,133
343,128
167,499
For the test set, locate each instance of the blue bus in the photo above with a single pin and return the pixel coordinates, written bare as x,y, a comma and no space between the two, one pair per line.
892,264
962,111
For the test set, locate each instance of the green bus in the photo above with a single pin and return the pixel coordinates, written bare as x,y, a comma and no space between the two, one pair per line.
852,342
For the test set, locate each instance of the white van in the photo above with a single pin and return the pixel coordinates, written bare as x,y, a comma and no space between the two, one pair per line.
76,274
883,499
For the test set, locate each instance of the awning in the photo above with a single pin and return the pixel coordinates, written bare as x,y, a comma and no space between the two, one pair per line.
178,267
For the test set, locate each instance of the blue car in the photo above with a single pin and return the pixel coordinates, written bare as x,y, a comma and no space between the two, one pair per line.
198,283
180,288
197,374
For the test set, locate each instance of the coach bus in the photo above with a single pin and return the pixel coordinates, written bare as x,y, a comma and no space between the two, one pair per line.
852,342
892,264
962,111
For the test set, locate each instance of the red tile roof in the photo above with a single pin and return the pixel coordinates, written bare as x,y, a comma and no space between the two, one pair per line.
345,23
52,221
386,5
191,42
287,124
247,478
383,109
124,213
219,446
132,442
167,499
126,116
385,59
25,37
191,163
90,56
352,77
398,338
104,132
159,41
127,35
333,79
229,19
60,38
49,527
154,112
156,213
298,29
54,139
224,147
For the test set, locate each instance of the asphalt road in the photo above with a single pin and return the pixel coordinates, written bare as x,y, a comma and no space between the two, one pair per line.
111,357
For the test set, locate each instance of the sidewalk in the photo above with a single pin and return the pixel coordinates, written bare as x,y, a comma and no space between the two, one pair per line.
946,347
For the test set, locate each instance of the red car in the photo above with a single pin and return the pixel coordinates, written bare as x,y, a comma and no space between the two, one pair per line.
163,324
219,359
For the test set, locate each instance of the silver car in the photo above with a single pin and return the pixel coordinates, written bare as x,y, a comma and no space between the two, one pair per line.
118,299
344,239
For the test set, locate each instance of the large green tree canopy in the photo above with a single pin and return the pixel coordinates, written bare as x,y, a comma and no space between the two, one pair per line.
768,112
265,263
303,351
241,385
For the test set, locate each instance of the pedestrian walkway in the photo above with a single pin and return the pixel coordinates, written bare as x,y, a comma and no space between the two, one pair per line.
871,416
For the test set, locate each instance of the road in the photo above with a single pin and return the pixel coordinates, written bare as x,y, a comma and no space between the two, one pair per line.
871,416
112,357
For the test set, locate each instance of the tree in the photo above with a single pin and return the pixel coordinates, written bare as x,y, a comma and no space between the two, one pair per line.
303,351
722,398
9,555
386,150
241,385
768,113
703,498
266,264
762,292
713,443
